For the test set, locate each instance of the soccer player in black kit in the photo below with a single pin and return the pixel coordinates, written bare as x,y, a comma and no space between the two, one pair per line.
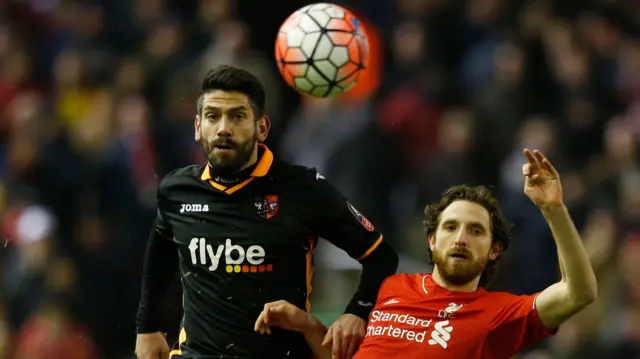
242,230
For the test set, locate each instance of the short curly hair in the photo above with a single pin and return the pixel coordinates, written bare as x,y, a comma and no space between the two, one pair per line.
232,79
482,195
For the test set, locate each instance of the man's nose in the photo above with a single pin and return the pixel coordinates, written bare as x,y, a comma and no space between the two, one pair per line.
462,237
224,127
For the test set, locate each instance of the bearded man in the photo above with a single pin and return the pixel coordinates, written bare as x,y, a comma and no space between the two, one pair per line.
448,313
241,230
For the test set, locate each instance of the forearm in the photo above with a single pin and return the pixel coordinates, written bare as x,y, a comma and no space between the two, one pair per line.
563,273
160,264
572,255
380,264
314,335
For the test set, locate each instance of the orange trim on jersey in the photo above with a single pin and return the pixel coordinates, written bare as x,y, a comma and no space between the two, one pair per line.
312,247
264,164
181,339
371,249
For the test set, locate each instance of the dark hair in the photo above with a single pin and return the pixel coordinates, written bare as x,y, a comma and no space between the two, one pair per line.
232,79
500,226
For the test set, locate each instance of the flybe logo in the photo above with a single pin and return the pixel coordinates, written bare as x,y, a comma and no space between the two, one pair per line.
235,258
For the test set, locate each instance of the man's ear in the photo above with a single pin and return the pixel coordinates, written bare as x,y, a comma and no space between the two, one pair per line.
196,126
264,125
431,238
496,249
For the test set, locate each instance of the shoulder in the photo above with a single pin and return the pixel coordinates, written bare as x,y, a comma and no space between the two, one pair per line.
303,179
182,175
400,287
402,282
286,171
501,298
508,305
179,177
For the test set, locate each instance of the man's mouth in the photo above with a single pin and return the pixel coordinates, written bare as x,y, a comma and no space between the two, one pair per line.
223,147
460,256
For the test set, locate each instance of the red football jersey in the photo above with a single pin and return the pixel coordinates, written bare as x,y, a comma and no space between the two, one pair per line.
416,318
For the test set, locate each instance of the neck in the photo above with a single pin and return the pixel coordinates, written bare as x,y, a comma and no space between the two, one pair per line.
471,286
240,175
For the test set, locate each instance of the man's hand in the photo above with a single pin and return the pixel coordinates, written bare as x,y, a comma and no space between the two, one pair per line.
345,336
152,346
542,181
578,287
287,316
284,315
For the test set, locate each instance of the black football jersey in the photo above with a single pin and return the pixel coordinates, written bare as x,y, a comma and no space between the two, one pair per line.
249,244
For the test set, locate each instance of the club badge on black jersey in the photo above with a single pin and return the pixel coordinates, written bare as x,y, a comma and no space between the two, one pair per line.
267,206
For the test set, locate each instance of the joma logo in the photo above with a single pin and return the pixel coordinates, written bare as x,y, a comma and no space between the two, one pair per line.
194,208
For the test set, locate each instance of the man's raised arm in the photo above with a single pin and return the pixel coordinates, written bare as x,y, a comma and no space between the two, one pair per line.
578,287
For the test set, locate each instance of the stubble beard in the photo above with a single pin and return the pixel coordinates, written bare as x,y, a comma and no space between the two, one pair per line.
459,273
230,164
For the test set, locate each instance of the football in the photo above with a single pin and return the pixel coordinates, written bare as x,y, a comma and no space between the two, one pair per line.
321,50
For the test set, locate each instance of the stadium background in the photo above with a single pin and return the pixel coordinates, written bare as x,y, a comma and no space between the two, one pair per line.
97,100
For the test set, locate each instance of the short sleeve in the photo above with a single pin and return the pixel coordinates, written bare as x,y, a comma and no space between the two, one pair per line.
515,326
339,222
392,287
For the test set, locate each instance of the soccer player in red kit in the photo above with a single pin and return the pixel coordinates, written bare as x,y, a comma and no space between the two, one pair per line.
448,313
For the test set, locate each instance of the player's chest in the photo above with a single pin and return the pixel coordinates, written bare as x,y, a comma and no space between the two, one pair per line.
251,215
454,328
249,231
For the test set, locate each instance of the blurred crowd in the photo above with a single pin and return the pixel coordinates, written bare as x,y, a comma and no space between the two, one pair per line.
97,101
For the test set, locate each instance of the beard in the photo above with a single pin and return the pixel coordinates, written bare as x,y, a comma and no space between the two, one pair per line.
224,164
459,273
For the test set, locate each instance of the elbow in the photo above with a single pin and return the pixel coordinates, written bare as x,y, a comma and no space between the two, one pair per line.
383,261
591,295
586,296
393,261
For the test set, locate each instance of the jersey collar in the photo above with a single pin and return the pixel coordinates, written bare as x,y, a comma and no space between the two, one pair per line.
430,287
262,168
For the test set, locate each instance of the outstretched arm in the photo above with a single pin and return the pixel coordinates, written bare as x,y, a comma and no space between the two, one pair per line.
339,222
578,286
314,334
287,316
